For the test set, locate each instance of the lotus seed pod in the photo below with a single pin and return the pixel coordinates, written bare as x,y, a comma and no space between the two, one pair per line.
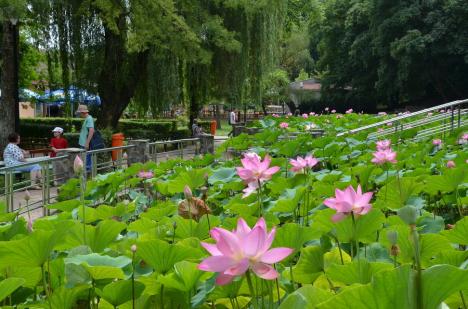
408,214
133,248
392,237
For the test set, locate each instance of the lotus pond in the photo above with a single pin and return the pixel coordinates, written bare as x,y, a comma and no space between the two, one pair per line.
278,219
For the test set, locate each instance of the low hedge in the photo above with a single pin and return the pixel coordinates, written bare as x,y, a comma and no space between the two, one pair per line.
31,128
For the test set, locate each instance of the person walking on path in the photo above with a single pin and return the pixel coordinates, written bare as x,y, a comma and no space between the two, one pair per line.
14,155
232,120
86,132
57,142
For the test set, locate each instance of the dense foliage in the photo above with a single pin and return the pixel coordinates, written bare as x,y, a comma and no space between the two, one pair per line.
393,53
138,237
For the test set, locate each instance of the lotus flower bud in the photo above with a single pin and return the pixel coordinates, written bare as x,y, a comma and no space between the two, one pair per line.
450,164
125,156
78,165
27,196
408,214
392,237
133,248
187,193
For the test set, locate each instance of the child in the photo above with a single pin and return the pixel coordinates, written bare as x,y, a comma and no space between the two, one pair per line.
57,142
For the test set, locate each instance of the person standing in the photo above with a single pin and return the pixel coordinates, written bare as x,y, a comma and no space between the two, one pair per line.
86,132
232,120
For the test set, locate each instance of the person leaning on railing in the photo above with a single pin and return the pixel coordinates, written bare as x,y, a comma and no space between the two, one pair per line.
13,155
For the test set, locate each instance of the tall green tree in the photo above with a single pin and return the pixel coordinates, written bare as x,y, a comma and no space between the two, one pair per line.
11,12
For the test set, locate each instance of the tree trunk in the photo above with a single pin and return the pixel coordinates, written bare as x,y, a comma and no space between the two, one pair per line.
120,75
9,107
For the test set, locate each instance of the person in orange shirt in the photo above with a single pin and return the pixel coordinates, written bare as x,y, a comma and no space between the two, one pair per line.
57,142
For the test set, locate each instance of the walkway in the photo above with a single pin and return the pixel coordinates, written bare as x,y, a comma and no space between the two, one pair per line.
37,210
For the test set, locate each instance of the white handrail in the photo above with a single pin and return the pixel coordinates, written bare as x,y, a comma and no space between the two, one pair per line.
406,116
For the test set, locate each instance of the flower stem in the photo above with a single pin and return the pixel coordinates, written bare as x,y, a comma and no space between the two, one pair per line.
259,198
418,283
133,280
356,242
82,192
252,292
463,299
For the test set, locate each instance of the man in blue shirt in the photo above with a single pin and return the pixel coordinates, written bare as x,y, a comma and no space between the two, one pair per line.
87,131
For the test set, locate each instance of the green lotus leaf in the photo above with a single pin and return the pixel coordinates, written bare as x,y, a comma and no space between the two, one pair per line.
459,234
9,285
119,292
305,297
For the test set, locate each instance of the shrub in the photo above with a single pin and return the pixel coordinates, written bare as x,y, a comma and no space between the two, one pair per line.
41,128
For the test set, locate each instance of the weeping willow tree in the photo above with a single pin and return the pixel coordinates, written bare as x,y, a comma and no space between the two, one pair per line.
161,52
238,46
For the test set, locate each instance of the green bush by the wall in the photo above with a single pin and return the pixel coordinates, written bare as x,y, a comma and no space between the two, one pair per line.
41,128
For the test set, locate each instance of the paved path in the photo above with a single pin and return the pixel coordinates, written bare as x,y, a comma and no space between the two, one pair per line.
35,202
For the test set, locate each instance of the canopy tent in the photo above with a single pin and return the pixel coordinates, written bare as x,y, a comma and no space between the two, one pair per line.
57,97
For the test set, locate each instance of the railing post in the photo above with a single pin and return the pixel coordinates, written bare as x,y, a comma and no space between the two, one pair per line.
452,119
140,152
8,191
181,148
206,143
45,188
93,165
459,115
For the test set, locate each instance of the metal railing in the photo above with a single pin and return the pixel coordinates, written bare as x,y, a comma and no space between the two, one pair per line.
181,147
101,161
106,160
48,178
453,117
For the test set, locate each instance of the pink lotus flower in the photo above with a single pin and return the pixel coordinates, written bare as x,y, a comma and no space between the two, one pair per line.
384,156
384,144
333,111
255,172
327,109
275,115
465,136
305,116
437,142
188,193
382,114
78,165
349,111
242,249
450,164
301,164
442,111
430,114
349,201
389,124
145,175
284,125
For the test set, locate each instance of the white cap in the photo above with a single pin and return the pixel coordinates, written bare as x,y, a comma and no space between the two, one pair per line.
58,129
